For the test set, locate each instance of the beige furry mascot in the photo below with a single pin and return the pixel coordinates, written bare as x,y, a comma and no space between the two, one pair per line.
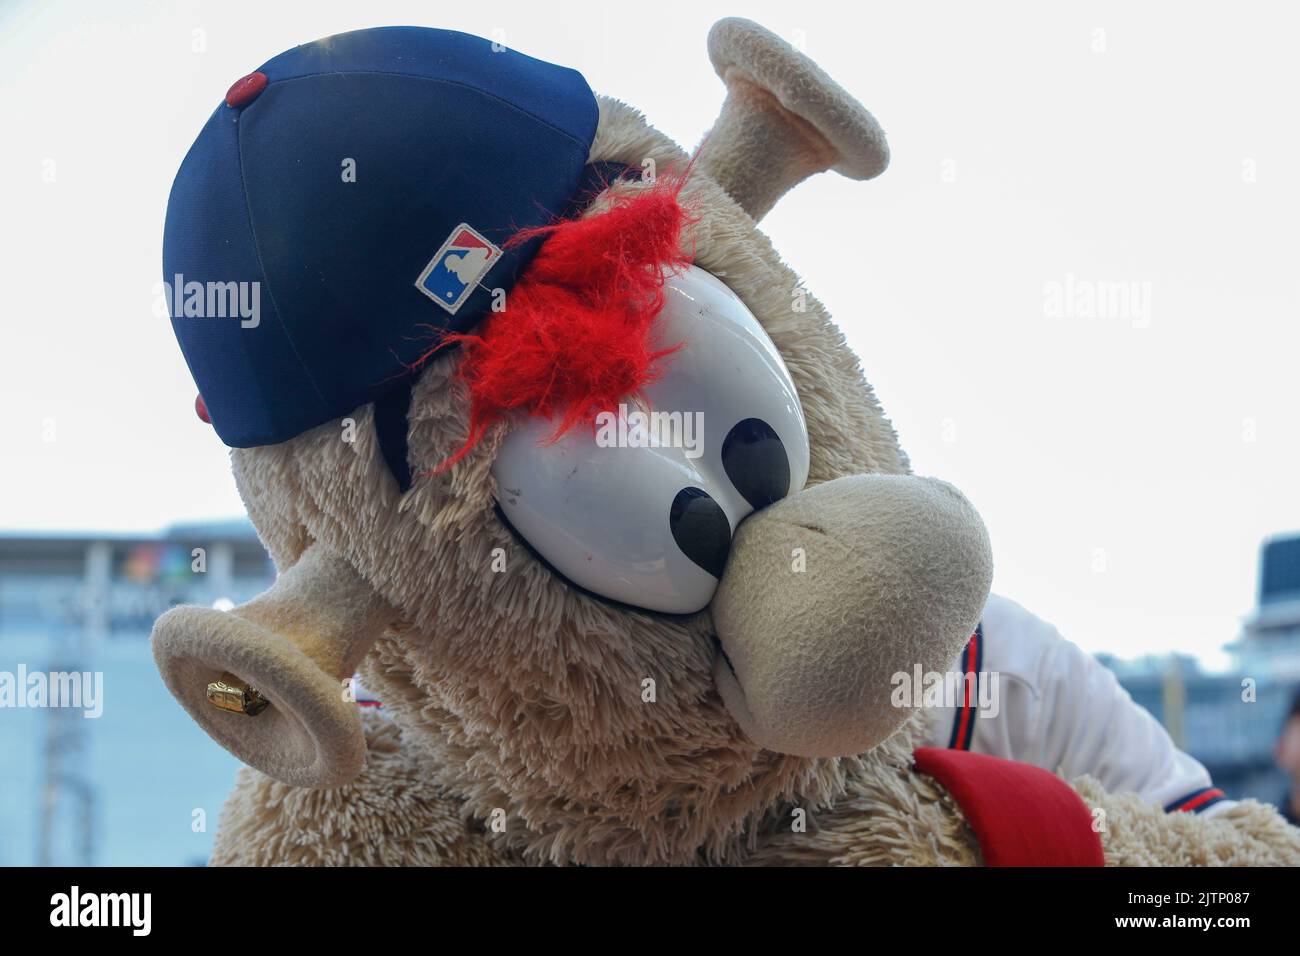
550,446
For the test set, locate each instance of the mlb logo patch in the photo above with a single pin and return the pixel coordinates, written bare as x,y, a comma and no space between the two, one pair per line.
456,269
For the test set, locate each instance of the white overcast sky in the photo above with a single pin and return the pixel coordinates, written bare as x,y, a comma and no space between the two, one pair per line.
1127,470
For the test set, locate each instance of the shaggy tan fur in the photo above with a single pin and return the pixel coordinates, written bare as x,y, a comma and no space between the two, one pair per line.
389,816
395,815
514,697
1136,833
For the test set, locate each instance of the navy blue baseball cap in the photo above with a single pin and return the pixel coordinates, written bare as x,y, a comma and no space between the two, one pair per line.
348,202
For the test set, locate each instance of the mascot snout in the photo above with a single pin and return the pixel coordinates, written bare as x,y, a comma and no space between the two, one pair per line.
830,592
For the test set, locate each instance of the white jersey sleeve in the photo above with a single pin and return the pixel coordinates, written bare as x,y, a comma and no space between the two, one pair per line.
1044,701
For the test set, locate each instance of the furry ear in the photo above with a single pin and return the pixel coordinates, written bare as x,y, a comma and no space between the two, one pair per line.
575,336
783,120
265,679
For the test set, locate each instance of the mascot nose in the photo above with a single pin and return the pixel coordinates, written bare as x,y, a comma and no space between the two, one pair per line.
267,679
830,593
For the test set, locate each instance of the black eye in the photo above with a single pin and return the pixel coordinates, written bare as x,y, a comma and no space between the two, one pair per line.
756,462
701,529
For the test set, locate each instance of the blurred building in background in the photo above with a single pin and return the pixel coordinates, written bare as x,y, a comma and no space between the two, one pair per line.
134,785
1270,641
1230,722
106,585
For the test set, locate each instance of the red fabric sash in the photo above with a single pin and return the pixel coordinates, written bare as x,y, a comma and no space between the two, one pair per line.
1021,814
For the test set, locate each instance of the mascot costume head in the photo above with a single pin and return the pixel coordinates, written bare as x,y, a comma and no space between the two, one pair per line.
549,444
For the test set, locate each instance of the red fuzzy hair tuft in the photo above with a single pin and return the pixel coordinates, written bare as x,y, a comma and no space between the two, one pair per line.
575,336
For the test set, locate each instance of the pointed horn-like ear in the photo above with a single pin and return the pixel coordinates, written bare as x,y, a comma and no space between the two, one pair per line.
265,679
783,120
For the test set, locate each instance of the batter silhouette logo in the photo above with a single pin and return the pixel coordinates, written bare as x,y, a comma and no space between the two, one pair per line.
456,269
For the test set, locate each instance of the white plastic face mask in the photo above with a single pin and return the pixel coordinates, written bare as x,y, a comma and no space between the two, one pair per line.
642,509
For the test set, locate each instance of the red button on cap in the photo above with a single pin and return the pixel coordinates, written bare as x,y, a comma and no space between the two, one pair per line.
245,89
201,407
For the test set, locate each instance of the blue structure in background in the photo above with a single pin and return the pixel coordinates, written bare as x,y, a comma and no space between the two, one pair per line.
140,784
1230,722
